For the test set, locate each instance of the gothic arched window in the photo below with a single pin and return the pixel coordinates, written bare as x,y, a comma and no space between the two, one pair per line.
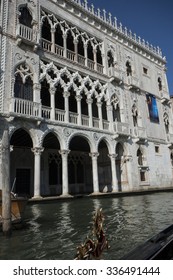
46,33
59,36
90,51
128,69
140,157
23,87
110,59
99,55
25,17
160,84
70,43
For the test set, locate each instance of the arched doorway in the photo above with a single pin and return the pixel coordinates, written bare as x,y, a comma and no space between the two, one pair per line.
79,166
51,166
22,163
104,168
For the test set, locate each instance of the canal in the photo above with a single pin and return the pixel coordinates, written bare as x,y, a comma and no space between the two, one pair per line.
55,229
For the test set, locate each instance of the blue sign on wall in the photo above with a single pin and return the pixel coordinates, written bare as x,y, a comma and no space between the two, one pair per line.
152,107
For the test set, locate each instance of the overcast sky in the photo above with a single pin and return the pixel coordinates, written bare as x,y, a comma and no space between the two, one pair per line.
152,20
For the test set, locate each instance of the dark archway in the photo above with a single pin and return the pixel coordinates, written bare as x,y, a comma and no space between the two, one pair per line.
104,168
22,163
52,165
79,167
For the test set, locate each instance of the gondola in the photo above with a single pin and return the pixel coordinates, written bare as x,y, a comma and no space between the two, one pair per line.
159,247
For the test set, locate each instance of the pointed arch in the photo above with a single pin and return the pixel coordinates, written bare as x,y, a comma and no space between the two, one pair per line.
25,16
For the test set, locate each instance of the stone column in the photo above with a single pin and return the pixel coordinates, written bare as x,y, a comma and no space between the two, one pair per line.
110,116
53,39
37,170
94,157
86,54
66,106
75,50
65,45
52,103
95,58
114,173
78,99
36,98
64,155
5,181
99,105
90,114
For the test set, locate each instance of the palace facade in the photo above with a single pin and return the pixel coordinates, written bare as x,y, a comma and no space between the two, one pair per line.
84,102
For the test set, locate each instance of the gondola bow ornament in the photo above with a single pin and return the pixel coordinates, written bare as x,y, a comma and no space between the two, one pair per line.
93,246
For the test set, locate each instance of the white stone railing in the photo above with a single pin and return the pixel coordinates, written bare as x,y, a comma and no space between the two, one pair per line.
132,81
122,128
140,132
25,107
46,45
73,117
90,64
115,72
59,50
59,115
100,68
46,112
85,120
96,122
81,59
112,22
105,125
25,32
71,55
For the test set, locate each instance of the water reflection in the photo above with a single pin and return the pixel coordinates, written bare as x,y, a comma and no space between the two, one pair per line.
56,229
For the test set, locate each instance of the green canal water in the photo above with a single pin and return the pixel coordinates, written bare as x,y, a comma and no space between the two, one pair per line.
55,229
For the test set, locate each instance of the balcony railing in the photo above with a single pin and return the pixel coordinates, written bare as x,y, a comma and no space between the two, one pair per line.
25,107
140,132
96,122
71,55
85,120
122,128
115,73
59,115
105,125
46,112
73,117
133,82
59,50
81,59
46,45
25,32
90,64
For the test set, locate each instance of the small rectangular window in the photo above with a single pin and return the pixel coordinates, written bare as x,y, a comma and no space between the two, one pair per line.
157,149
142,176
145,70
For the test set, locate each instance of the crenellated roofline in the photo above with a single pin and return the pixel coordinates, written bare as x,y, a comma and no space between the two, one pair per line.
110,23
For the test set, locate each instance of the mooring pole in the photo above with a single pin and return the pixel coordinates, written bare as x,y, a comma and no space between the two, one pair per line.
6,195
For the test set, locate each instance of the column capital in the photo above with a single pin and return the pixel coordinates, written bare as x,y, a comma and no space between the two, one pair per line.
112,156
53,29
37,150
64,152
52,90
37,86
99,103
66,94
89,101
78,98
94,155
